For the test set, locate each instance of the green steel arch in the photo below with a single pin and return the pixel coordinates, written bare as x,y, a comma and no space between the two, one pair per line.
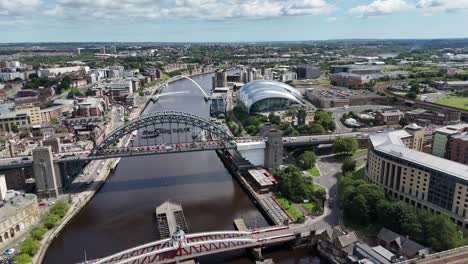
215,132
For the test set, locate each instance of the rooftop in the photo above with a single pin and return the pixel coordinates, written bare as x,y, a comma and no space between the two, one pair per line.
14,200
390,143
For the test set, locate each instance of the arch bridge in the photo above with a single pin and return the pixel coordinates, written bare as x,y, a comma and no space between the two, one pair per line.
175,78
159,133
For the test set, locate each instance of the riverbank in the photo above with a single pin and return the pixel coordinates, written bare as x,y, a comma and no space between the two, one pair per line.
84,197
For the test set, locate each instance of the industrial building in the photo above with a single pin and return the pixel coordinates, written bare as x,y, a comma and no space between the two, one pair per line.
340,97
425,181
266,96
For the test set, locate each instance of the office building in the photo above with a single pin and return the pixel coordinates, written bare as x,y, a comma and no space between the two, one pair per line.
34,113
307,72
8,120
422,180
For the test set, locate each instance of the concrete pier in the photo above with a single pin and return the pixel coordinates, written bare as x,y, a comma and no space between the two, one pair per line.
170,216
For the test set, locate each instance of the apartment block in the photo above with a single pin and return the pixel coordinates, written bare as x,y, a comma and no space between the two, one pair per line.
422,180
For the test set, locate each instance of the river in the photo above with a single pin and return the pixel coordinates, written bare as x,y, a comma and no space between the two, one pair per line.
120,215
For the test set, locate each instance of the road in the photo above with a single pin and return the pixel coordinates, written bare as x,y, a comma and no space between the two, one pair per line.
330,171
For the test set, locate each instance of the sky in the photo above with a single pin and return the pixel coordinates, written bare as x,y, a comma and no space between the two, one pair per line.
229,20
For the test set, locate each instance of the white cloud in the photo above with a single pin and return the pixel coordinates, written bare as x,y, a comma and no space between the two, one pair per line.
192,9
379,8
442,5
331,19
17,7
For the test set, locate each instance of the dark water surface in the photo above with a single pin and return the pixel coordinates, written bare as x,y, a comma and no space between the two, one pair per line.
120,215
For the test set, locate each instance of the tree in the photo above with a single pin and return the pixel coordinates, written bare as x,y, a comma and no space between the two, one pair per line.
23,259
50,220
412,95
30,247
325,119
53,121
60,208
64,84
37,133
293,185
349,165
38,233
274,119
358,210
345,145
440,233
24,134
307,160
403,122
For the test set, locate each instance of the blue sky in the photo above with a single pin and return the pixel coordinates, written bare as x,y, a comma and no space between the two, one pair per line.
229,20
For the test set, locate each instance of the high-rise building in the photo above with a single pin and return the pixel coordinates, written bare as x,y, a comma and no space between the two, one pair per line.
423,180
450,142
458,148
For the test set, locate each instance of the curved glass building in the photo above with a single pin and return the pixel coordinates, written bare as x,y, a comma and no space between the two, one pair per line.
266,96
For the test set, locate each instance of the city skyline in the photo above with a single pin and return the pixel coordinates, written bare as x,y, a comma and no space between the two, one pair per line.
229,21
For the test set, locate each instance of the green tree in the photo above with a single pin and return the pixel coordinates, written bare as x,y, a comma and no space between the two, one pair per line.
24,134
37,133
325,119
38,233
349,165
293,185
64,84
53,121
307,160
440,233
23,259
30,247
412,95
60,208
274,119
50,220
345,145
358,211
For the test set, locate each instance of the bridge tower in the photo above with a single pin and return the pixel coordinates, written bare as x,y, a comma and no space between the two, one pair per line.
47,182
274,146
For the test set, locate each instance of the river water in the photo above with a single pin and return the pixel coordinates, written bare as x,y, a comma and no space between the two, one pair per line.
120,215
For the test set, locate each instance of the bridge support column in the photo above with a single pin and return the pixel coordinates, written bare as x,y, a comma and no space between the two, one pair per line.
47,182
256,253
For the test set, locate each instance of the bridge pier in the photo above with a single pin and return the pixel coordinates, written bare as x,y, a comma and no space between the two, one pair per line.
48,184
256,253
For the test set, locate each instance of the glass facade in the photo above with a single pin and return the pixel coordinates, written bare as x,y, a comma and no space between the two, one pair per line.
267,96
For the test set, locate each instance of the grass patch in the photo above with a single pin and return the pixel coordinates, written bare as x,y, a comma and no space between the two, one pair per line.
314,171
289,208
309,207
454,101
361,163
359,152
